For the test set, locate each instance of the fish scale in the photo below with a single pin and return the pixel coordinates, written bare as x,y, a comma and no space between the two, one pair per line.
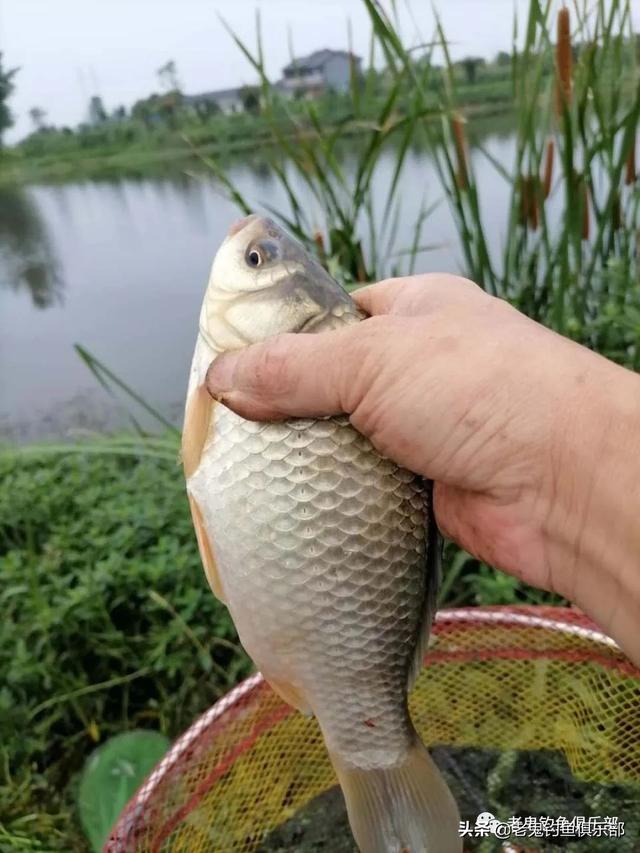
316,560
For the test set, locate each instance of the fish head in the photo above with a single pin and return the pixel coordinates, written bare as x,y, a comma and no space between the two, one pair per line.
264,283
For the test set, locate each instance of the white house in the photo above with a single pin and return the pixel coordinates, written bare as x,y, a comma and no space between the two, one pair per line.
320,71
227,100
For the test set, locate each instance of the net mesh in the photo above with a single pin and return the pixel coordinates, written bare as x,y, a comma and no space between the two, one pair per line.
526,678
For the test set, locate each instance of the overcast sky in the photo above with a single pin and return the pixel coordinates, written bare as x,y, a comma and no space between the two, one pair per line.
68,50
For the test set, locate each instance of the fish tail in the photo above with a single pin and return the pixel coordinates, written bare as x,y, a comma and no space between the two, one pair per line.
407,808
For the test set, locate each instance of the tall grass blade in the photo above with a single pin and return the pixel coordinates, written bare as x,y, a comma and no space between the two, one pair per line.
108,379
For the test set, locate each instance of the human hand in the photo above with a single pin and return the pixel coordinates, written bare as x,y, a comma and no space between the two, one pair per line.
526,434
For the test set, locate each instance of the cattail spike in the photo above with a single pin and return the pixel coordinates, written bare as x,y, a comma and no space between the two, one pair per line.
318,239
564,62
529,210
630,173
462,176
547,178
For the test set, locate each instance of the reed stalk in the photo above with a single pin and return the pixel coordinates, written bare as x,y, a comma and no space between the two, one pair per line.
547,178
586,219
630,174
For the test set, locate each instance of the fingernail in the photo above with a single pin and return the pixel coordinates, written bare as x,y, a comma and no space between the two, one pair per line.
220,375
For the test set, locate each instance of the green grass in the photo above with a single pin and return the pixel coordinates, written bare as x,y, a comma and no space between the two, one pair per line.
108,624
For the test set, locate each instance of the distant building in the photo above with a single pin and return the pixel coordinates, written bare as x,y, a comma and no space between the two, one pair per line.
97,112
322,70
226,100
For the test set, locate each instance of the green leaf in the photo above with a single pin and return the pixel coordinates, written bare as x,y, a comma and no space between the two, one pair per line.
111,776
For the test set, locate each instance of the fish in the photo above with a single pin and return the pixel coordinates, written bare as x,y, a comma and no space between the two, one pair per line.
326,553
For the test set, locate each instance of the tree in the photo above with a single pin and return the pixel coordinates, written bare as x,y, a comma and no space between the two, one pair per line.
6,89
204,109
250,97
97,112
168,76
158,108
470,65
503,58
145,110
169,105
38,116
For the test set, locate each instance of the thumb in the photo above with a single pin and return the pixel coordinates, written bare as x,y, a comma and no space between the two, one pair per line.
303,375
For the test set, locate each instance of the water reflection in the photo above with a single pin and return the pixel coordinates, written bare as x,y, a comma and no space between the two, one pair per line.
136,255
27,259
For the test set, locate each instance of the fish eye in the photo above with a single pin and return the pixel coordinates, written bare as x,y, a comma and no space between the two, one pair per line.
254,258
261,252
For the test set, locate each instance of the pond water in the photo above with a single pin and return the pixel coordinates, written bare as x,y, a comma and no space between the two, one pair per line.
121,266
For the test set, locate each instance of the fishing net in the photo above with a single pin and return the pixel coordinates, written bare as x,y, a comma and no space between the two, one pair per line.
499,686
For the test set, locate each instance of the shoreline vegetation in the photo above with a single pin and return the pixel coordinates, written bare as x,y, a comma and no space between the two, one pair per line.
129,147
108,623
141,162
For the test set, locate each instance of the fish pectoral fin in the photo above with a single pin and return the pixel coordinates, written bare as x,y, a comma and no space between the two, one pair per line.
196,428
194,435
290,694
206,551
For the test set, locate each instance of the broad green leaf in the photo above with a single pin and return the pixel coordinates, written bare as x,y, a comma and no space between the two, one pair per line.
111,775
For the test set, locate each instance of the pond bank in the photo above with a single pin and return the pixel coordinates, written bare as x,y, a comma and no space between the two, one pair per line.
180,151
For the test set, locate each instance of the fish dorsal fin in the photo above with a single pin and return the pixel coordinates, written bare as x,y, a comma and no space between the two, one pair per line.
196,428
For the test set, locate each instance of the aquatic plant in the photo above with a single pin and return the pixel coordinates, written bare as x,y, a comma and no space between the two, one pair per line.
568,254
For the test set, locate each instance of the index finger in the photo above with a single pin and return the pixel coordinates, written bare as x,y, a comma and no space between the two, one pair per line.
416,294
378,298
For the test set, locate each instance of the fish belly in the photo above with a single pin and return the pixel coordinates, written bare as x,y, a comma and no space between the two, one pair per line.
320,544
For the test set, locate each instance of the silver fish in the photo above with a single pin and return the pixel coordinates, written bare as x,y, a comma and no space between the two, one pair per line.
325,553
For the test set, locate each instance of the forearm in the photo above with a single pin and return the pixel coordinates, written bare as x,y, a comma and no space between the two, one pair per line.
594,525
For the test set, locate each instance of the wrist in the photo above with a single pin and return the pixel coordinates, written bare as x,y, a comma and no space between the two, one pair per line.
593,518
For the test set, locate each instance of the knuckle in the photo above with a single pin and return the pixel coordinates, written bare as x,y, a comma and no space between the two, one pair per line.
362,358
270,370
